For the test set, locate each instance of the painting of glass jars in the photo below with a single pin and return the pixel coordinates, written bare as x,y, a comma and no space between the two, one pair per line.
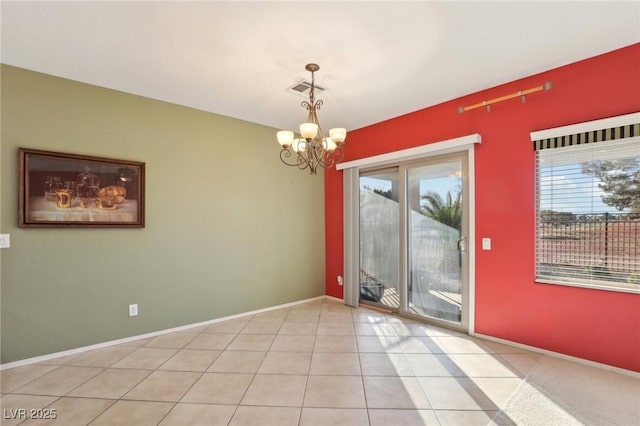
70,190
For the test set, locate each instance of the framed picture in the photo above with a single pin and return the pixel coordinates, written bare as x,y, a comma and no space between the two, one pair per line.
58,190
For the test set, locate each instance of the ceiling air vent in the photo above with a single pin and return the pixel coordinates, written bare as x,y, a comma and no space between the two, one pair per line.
302,88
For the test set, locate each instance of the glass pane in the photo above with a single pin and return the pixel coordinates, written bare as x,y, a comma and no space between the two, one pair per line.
379,246
435,222
588,206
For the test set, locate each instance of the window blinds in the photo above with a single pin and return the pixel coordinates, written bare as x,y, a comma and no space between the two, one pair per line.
588,208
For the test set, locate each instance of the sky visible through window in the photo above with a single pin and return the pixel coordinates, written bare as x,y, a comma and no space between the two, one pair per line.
566,189
440,185
382,185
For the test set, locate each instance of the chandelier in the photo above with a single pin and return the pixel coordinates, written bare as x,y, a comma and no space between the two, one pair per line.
313,148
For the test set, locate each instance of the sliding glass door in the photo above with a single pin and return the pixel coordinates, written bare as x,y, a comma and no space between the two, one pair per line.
436,244
413,222
379,238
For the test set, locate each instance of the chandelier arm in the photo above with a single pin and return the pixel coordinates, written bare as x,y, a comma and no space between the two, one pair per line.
328,159
312,107
311,157
318,149
285,157
303,162
316,159
334,157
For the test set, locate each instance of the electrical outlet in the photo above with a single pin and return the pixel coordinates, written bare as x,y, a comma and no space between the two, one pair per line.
133,310
340,280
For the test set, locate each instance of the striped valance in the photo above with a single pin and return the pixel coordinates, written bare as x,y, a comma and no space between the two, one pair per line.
600,135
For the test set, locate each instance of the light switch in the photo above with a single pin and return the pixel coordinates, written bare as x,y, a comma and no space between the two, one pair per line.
486,244
5,241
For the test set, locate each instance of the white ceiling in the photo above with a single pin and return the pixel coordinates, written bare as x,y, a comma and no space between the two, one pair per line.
377,60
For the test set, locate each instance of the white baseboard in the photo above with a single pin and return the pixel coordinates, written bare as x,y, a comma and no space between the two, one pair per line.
560,355
80,350
335,299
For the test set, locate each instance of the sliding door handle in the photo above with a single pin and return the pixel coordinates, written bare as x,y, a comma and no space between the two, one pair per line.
462,245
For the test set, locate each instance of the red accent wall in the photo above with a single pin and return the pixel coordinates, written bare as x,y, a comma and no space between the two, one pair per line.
596,325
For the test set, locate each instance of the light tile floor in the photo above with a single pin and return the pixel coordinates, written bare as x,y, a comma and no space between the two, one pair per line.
319,363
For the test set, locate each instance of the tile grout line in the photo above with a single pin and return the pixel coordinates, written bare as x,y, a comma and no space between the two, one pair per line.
306,382
194,382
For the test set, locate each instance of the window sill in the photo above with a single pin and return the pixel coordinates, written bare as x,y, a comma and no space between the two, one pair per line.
604,287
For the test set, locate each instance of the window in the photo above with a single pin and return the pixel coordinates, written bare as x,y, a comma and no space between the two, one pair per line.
588,205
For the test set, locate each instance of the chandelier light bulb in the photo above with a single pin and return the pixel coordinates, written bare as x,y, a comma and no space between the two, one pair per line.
338,134
328,144
299,145
285,137
308,130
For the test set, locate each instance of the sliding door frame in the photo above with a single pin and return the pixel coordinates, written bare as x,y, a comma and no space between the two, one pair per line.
351,211
407,237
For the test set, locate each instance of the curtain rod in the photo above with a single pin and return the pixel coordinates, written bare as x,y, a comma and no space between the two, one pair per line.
522,94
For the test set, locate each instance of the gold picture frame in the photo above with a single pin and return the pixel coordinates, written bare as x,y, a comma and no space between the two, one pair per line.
61,190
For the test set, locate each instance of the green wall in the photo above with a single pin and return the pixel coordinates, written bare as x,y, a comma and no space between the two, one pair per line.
229,228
